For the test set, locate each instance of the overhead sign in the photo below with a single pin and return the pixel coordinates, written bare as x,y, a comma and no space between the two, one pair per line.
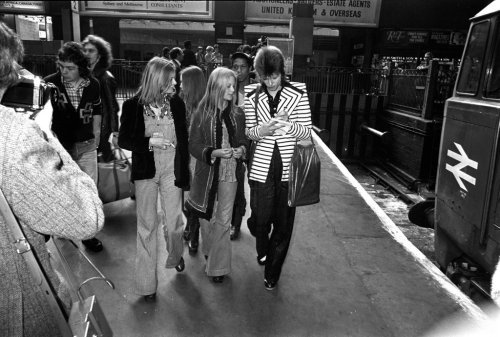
463,162
22,7
415,37
357,13
147,9
233,41
404,37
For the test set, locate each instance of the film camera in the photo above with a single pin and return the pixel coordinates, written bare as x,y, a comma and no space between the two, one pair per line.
29,95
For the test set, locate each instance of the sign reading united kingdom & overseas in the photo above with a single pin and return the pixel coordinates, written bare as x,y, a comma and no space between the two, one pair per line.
356,13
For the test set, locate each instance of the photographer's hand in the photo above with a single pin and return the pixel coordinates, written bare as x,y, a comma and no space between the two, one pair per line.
44,119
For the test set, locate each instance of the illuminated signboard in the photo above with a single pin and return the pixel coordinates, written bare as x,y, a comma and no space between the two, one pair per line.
358,13
148,9
22,7
406,37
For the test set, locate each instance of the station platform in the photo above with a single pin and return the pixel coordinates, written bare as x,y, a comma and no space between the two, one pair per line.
349,272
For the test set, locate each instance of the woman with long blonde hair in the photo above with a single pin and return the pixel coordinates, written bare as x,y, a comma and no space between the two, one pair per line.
218,142
153,127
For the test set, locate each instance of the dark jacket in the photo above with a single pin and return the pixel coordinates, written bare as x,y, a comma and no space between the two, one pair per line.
75,125
131,137
203,140
178,66
110,106
189,58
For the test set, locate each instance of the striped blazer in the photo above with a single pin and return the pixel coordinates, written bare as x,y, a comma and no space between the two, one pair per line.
294,98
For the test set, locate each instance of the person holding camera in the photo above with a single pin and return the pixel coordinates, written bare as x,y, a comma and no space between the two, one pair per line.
77,116
98,52
48,194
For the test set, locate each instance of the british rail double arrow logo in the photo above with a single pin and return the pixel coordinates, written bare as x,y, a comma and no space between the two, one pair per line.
463,161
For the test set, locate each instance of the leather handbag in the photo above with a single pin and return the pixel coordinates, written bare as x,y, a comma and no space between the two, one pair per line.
114,179
304,175
86,317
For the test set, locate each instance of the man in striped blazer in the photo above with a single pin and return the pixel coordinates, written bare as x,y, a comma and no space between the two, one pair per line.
277,114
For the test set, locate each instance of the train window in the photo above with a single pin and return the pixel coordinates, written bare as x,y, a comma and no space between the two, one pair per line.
472,62
493,87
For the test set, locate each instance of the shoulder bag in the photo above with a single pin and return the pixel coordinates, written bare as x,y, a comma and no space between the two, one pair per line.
114,178
86,317
304,175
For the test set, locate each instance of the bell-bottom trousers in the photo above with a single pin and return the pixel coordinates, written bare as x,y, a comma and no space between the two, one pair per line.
269,205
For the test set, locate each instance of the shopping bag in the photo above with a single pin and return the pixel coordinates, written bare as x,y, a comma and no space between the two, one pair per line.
304,175
113,181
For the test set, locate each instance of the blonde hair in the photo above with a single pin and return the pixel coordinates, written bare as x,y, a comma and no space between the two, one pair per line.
155,79
216,88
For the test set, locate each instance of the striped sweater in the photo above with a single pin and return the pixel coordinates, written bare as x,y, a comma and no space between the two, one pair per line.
294,98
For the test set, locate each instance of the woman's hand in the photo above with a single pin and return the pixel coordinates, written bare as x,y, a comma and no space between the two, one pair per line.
223,153
160,142
238,152
268,128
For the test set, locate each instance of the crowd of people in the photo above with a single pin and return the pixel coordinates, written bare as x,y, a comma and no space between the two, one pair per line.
210,57
189,131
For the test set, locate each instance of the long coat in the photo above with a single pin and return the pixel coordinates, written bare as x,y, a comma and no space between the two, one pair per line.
202,142
49,194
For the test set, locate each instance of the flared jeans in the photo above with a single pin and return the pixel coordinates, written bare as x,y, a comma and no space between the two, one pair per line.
150,238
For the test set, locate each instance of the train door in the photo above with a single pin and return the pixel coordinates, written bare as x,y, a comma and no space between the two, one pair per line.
466,219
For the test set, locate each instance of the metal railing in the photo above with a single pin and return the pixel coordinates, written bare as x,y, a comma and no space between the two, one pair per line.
128,75
336,80
404,88
332,80
407,89
412,89
40,65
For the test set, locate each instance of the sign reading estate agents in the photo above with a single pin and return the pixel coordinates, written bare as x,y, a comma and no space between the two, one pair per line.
358,13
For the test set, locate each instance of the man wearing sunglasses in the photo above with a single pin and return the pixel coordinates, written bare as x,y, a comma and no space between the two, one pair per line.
77,116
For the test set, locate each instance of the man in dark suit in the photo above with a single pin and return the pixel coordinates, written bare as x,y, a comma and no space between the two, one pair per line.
189,58
176,55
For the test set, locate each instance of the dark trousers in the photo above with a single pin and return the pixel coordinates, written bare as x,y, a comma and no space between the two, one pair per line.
269,204
105,148
240,202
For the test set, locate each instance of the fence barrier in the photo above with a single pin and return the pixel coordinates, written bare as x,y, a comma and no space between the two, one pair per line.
341,98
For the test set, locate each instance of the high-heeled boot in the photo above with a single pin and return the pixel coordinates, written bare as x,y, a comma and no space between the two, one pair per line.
195,235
